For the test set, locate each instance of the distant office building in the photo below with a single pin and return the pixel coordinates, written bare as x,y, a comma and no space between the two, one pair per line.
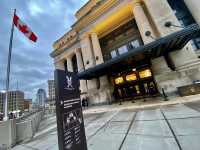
41,97
2,97
27,104
15,100
51,91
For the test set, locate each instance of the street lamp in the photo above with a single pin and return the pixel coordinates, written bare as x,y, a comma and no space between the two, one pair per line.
3,91
5,106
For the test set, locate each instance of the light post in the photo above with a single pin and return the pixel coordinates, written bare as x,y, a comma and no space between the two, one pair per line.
5,106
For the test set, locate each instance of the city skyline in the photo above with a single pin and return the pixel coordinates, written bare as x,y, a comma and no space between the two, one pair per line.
25,63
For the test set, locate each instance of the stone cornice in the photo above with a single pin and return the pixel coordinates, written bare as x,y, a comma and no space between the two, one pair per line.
71,37
99,9
95,12
67,39
64,47
86,8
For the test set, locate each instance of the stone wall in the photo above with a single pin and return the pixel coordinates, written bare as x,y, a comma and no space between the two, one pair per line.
7,134
15,131
25,129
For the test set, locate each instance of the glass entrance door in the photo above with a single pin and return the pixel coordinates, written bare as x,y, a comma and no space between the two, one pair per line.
134,84
150,88
133,90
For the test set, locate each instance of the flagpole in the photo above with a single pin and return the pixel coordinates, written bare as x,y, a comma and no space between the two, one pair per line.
8,72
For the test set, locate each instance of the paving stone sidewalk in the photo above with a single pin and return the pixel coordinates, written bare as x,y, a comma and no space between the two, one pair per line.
173,127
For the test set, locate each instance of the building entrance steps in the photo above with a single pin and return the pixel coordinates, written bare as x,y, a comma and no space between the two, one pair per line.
140,104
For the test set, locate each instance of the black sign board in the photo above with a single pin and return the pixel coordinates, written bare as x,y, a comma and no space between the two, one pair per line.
71,131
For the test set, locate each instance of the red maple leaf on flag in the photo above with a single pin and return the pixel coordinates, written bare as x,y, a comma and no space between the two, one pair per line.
24,28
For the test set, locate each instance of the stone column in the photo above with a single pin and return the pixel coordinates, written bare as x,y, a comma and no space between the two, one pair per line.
104,92
161,12
159,65
98,57
79,60
83,85
69,64
143,23
97,49
88,59
193,6
59,65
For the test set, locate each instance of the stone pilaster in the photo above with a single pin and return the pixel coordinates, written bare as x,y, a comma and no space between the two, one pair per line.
160,13
98,57
159,66
193,6
79,60
143,23
69,64
59,65
97,49
185,57
160,71
88,59
83,85
104,92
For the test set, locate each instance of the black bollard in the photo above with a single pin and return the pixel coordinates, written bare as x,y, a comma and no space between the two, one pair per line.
120,102
164,95
133,100
144,98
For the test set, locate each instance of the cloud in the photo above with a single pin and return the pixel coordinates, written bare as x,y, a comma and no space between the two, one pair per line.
31,64
34,8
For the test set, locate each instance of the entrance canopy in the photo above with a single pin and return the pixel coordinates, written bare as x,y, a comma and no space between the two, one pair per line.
157,48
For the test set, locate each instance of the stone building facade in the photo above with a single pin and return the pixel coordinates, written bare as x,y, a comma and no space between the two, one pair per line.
106,29
15,100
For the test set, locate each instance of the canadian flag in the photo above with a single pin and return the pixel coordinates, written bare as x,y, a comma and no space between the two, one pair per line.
24,28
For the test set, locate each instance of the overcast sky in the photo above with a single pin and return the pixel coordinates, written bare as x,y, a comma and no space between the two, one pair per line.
31,63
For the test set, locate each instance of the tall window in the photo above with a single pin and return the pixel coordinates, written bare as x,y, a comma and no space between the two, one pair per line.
134,44
113,54
123,49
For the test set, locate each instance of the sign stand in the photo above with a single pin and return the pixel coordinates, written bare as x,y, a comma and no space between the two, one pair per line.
70,124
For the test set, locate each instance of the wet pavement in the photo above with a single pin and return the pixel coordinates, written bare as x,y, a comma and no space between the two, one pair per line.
175,127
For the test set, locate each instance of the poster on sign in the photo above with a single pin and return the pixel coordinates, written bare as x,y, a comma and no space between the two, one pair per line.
70,124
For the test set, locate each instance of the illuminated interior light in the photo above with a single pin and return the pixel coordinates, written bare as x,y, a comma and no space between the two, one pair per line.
119,80
145,73
131,77
134,69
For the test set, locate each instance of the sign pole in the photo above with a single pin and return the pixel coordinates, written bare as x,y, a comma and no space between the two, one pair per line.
8,72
